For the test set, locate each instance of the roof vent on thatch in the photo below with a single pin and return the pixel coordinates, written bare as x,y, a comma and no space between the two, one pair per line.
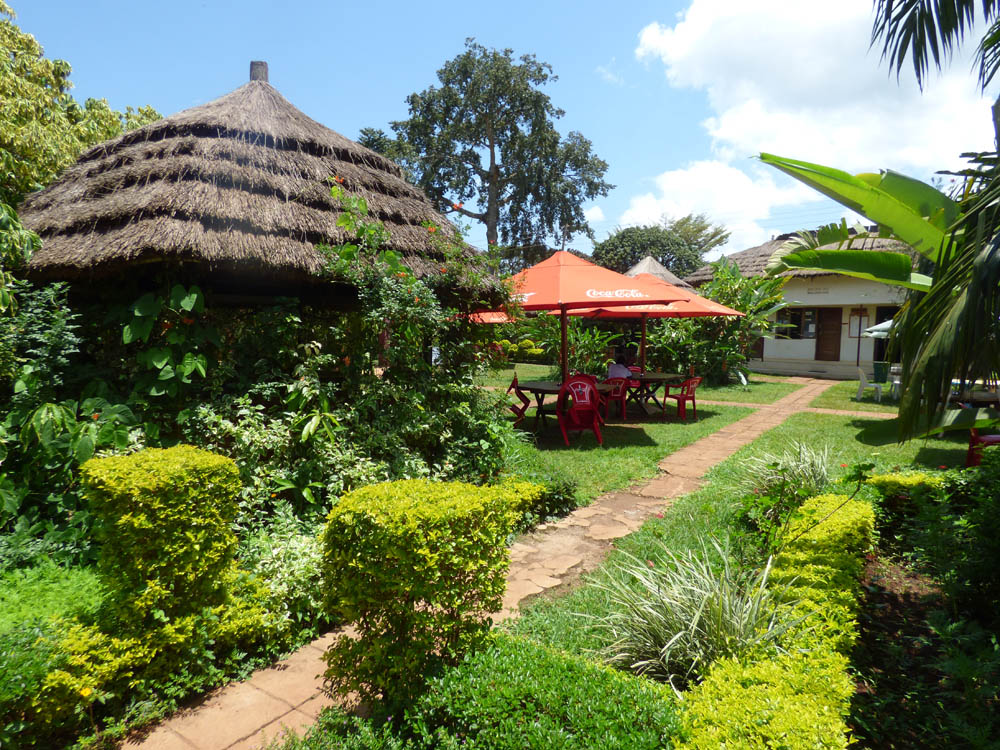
258,70
235,189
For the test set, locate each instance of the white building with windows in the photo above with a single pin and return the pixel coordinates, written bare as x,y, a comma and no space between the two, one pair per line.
826,315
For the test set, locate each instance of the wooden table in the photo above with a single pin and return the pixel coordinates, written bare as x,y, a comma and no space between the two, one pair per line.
542,388
651,382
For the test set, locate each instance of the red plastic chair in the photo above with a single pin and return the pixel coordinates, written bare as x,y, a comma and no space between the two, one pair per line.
525,402
977,442
634,387
584,411
602,400
685,393
619,393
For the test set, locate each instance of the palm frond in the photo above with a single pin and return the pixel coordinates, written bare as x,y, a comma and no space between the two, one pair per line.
929,31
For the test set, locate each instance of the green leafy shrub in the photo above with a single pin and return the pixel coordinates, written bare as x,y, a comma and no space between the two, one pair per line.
902,493
957,531
287,558
417,566
801,698
517,694
671,616
166,539
337,730
536,498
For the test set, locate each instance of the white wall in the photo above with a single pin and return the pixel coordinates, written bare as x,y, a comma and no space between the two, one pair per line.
846,293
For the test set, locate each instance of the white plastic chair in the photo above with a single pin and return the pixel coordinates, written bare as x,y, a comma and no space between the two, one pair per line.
895,381
864,384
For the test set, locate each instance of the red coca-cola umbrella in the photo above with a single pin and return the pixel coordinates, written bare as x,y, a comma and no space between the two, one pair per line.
693,307
566,282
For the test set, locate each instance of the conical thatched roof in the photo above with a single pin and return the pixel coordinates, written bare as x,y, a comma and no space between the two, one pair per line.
752,262
236,189
652,266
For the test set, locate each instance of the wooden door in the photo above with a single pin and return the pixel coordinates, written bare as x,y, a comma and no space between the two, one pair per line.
828,334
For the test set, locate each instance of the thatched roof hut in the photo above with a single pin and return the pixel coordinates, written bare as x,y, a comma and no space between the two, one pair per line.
234,193
652,266
752,262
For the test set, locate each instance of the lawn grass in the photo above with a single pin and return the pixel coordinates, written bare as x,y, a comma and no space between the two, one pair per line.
501,378
630,452
568,622
760,390
841,396
47,590
757,391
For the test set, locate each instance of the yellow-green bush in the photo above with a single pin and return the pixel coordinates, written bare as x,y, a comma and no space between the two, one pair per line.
166,541
905,483
800,699
793,701
418,566
181,616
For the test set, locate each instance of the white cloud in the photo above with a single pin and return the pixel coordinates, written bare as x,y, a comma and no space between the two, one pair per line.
796,78
609,75
594,213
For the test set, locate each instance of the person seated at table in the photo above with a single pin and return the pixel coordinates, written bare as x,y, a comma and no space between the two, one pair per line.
618,369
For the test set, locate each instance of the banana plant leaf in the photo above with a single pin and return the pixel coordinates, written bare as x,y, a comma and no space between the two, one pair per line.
961,419
875,265
894,202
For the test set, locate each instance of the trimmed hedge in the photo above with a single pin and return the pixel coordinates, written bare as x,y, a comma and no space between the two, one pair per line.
800,699
418,566
181,616
165,529
518,694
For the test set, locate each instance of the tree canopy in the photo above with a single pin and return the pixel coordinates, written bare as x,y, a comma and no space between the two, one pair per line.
486,136
43,128
678,244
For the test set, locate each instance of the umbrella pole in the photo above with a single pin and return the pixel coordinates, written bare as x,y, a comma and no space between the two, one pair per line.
642,347
564,347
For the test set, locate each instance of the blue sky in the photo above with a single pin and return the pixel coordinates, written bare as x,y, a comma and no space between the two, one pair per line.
676,96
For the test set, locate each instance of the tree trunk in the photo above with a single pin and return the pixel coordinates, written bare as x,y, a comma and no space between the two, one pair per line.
492,190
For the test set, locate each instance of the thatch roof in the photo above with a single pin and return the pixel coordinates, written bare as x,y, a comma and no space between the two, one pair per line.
652,266
236,188
752,261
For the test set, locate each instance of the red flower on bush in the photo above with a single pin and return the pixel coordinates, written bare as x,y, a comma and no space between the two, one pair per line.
432,229
339,180
843,466
96,416
942,466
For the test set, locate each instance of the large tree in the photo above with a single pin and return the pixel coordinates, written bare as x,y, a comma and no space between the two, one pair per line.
483,145
678,244
43,129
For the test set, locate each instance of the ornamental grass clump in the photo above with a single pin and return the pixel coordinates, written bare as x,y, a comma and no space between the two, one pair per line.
417,566
673,616
802,467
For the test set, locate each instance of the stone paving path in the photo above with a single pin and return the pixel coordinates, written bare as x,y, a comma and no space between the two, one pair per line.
250,714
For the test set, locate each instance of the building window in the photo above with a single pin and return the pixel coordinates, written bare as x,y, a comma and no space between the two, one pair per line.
797,323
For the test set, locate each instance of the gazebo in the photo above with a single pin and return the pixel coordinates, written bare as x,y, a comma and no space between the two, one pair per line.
233,194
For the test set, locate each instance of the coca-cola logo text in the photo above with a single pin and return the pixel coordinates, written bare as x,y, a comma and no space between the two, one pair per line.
615,294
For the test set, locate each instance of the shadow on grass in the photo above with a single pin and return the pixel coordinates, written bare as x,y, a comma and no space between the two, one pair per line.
616,434
934,452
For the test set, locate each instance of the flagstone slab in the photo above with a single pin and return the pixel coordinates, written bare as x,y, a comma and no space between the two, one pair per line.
560,564
605,531
234,714
294,722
